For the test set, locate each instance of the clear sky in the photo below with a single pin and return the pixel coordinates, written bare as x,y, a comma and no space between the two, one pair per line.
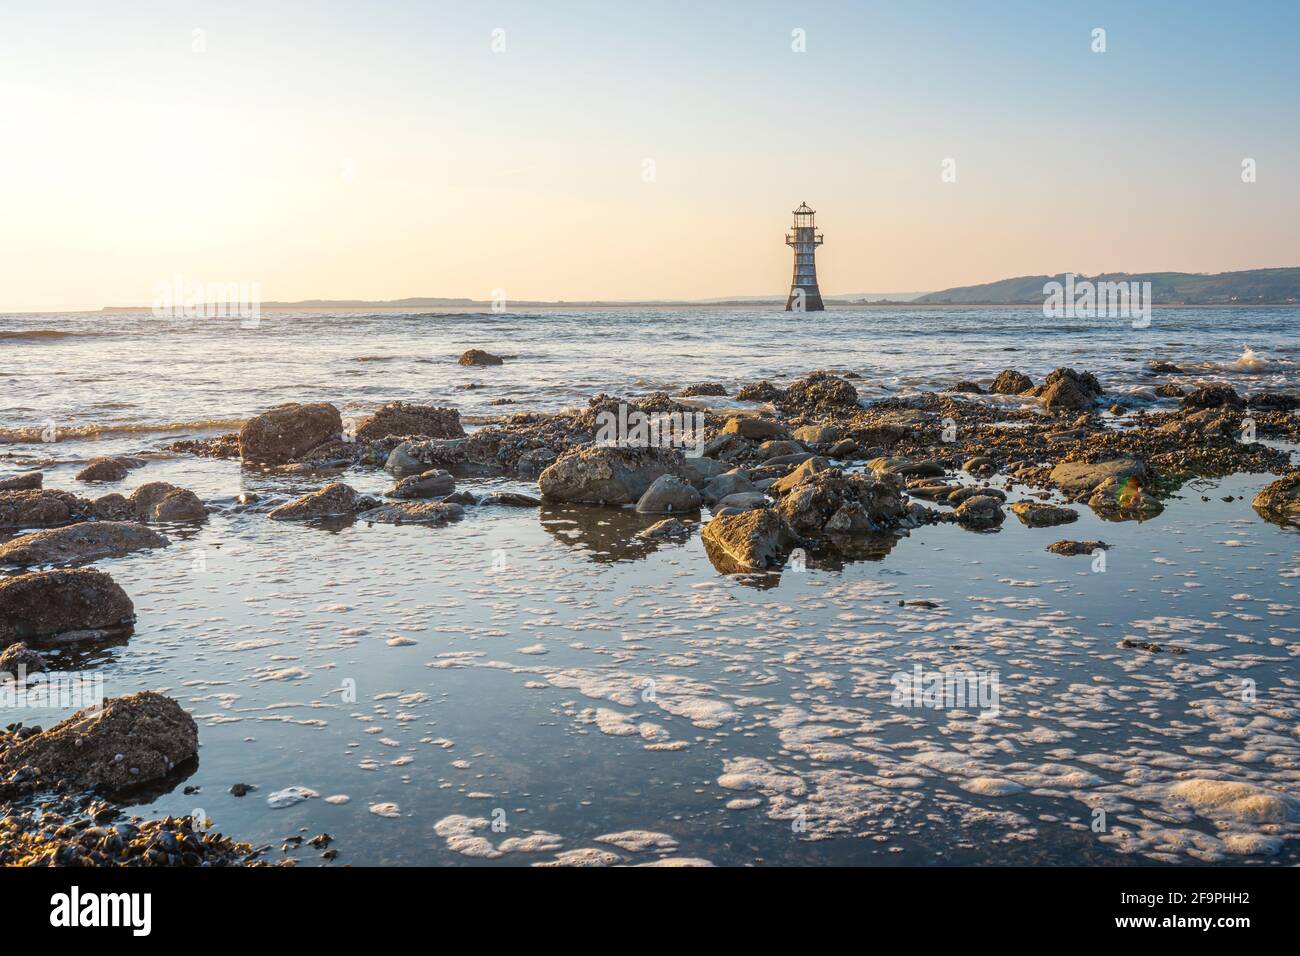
385,149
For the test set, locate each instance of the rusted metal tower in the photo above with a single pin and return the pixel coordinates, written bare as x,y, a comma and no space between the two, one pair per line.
804,237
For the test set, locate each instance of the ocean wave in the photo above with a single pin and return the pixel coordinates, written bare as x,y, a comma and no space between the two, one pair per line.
56,432
43,334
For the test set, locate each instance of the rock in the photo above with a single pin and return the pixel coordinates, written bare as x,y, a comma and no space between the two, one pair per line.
19,659
48,604
39,508
333,501
980,465
820,391
845,448
967,388
479,357
907,467
753,428
1170,390
601,474
417,457
129,741
1280,501
778,448
1123,500
104,469
160,501
959,494
818,434
669,495
400,418
413,512
1213,396
1067,389
286,433
1039,514
703,388
799,475
746,542
1163,368
86,541
729,483
434,483
668,528
759,392
1011,382
702,469
1075,548
112,507
743,501
22,482
511,499
980,511
830,502
1078,477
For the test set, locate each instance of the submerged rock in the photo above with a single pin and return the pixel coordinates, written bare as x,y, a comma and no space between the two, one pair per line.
417,457
286,433
1075,548
1039,514
980,512
1123,500
668,528
86,541
510,499
53,604
413,512
1280,501
611,475
22,482
751,541
400,418
130,741
104,469
161,501
435,483
480,358
335,500
20,659
669,495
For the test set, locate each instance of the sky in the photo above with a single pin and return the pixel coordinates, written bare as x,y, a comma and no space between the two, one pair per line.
603,150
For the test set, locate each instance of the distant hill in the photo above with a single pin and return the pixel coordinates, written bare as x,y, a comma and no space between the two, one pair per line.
1251,287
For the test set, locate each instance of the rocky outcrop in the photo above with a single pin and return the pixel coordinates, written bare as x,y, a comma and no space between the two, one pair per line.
434,483
1011,382
286,433
751,541
86,541
66,605
130,741
669,494
400,418
480,358
161,501
1280,501
22,482
104,469
1080,477
1213,396
829,503
980,512
1066,389
413,512
335,500
19,659
40,508
1039,514
609,475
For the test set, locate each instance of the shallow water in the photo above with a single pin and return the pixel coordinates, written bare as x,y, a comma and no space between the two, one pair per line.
548,670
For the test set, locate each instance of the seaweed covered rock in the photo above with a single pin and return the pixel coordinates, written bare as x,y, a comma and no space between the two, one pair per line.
703,389
480,358
602,474
104,469
56,604
1011,382
818,392
763,391
19,659
24,481
335,500
1066,389
1040,514
132,740
85,541
40,508
1213,396
286,433
401,418
161,501
829,502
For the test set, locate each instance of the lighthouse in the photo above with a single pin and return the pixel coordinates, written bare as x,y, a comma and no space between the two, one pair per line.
804,238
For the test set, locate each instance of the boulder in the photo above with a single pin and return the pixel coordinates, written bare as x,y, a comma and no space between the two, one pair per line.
480,358
22,482
1280,501
907,467
830,502
130,741
86,541
753,428
400,418
799,474
52,604
728,483
669,495
980,512
1011,382
1213,396
750,541
743,501
759,392
39,508
160,501
417,457
335,500
778,449
104,469
1039,514
435,483
820,392
1074,548
18,660
1079,477
413,512
1123,500
112,507
512,499
668,528
286,433
1066,389
703,469
602,474
818,434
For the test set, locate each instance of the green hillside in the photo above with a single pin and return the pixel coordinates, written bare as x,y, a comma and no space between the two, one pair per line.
1251,287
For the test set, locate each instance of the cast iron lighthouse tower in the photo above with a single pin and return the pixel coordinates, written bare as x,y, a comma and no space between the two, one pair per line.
804,294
